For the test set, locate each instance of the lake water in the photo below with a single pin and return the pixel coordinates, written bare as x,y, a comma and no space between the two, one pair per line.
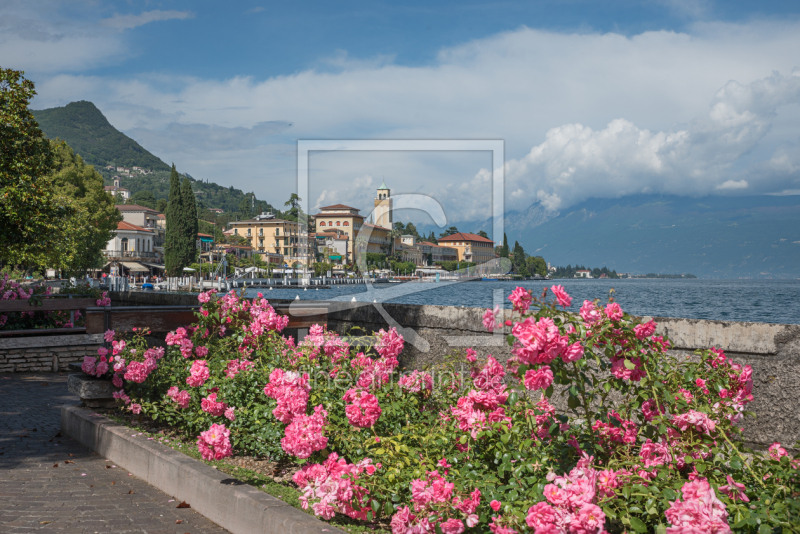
767,301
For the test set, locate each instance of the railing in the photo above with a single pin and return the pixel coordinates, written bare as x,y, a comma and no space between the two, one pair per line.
168,318
48,303
128,254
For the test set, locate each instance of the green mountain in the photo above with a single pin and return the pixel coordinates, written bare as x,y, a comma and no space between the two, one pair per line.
89,133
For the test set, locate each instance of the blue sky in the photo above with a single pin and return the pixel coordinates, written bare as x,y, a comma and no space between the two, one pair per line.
592,98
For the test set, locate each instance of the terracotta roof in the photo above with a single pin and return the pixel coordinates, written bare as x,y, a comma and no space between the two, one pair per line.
122,225
462,236
161,216
204,235
339,207
133,207
375,226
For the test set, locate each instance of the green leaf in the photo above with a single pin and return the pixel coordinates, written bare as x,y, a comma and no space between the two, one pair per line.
573,402
629,365
637,524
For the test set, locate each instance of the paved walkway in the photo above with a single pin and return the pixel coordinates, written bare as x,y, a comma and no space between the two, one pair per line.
85,493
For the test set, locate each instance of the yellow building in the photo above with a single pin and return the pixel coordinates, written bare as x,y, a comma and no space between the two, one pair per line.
470,247
372,238
275,236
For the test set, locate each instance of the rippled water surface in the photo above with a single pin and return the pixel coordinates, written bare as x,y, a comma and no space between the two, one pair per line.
768,301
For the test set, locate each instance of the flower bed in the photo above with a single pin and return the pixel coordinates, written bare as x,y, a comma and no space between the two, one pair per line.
646,442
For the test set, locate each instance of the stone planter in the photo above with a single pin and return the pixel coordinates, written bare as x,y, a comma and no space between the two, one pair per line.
94,392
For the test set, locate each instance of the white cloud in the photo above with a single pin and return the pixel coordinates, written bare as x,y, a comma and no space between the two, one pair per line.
732,185
127,22
606,114
575,162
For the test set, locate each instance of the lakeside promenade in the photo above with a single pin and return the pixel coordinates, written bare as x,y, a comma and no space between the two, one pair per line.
84,494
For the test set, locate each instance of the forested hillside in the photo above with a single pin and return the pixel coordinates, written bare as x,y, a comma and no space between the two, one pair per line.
88,132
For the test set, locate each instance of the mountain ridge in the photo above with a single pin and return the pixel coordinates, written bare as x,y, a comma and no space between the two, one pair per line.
84,127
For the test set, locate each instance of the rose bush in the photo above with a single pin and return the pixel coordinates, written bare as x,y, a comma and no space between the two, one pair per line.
591,426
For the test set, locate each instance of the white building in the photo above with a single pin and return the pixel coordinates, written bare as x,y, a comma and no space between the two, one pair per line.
583,273
117,191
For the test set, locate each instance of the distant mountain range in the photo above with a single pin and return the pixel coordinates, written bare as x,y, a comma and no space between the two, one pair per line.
89,133
711,237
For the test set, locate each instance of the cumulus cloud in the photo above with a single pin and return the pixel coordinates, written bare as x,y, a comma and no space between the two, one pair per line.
576,162
732,185
127,22
606,114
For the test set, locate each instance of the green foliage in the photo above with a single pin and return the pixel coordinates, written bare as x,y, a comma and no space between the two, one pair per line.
450,231
90,134
622,392
455,265
145,198
175,239
31,217
569,271
536,265
408,229
94,216
504,251
519,263
189,222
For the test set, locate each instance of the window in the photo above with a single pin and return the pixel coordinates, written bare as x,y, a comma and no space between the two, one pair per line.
124,243
337,223
346,223
277,231
322,223
330,223
236,231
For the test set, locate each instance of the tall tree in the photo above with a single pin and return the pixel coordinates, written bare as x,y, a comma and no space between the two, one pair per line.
30,216
94,216
450,231
518,261
190,222
174,240
504,251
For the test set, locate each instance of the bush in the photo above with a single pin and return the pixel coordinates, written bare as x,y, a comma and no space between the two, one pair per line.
642,441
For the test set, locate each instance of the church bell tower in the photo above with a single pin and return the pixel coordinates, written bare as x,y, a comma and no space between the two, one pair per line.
382,214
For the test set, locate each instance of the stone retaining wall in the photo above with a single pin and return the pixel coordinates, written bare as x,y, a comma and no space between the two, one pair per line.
46,353
773,350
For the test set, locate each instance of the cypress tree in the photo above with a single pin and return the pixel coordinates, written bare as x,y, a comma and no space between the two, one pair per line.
504,251
190,223
173,242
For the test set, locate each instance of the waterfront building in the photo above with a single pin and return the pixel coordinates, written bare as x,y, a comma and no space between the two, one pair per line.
583,273
470,247
146,218
275,236
373,238
132,250
433,253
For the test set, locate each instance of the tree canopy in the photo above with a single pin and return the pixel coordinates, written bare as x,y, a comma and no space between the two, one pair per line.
174,242
94,215
31,217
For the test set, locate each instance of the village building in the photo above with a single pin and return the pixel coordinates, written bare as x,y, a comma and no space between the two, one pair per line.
270,236
470,247
120,193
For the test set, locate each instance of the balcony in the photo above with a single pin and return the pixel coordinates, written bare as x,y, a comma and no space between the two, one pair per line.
128,254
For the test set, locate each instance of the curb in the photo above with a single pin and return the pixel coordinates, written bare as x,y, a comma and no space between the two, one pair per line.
231,504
